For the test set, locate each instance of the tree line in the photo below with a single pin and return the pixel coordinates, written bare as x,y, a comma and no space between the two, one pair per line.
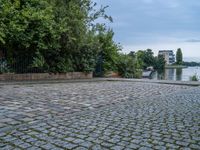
64,36
54,35
191,64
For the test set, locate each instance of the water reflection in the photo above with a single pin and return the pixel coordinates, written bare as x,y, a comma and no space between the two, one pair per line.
176,74
179,73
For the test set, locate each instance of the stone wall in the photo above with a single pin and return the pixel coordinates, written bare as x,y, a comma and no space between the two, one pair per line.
111,74
45,76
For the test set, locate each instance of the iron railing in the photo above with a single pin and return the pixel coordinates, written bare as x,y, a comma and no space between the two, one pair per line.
19,67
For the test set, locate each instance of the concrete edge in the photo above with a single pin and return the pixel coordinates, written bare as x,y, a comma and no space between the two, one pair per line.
186,83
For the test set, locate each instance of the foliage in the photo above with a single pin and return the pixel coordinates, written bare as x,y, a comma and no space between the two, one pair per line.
179,57
159,62
38,61
62,32
146,58
109,51
191,64
128,67
29,28
194,78
64,36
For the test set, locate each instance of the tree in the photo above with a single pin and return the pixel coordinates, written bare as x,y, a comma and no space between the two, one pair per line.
29,29
179,57
55,35
109,50
145,58
149,59
159,62
140,58
127,67
132,54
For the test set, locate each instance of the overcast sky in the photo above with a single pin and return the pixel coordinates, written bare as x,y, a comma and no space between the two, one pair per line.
156,24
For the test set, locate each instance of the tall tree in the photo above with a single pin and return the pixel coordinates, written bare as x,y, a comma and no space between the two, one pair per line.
109,50
61,35
159,62
29,30
179,57
145,58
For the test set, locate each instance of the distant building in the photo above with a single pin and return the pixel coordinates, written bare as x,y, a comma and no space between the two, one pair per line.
168,56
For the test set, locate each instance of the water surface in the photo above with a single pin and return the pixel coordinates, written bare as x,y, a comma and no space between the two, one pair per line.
176,74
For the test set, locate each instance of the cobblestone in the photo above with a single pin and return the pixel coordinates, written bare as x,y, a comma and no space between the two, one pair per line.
98,116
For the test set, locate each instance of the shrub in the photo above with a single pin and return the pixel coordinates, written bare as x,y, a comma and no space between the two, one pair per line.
194,78
127,67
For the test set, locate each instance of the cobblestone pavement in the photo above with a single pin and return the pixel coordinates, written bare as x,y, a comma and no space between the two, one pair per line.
99,115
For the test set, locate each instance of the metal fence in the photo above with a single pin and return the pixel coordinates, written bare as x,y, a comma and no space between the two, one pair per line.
19,66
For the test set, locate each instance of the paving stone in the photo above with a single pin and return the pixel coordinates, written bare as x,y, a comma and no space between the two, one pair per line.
80,148
145,148
70,139
7,147
168,140
78,141
117,148
185,148
123,143
99,115
160,143
194,146
97,147
114,141
160,148
181,143
24,145
132,146
136,141
106,144
172,146
39,143
48,146
33,148
69,145
146,144
86,144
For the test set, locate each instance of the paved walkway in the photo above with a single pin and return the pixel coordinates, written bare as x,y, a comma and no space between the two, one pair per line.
99,115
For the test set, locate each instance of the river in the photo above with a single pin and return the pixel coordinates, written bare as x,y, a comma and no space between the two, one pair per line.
176,74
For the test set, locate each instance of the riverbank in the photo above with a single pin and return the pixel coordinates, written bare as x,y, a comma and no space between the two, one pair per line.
175,67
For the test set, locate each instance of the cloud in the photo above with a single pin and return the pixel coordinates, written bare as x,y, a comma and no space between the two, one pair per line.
140,24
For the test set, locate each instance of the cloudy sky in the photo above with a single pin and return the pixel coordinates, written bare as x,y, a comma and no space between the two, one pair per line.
156,24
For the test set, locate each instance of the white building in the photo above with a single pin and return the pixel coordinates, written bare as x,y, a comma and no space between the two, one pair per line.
168,56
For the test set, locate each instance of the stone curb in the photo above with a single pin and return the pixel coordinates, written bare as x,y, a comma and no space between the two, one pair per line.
186,83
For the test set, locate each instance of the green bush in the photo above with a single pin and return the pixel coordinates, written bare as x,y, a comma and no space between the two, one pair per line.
63,31
128,67
194,78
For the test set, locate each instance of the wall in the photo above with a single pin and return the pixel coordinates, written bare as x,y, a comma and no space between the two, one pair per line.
45,76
